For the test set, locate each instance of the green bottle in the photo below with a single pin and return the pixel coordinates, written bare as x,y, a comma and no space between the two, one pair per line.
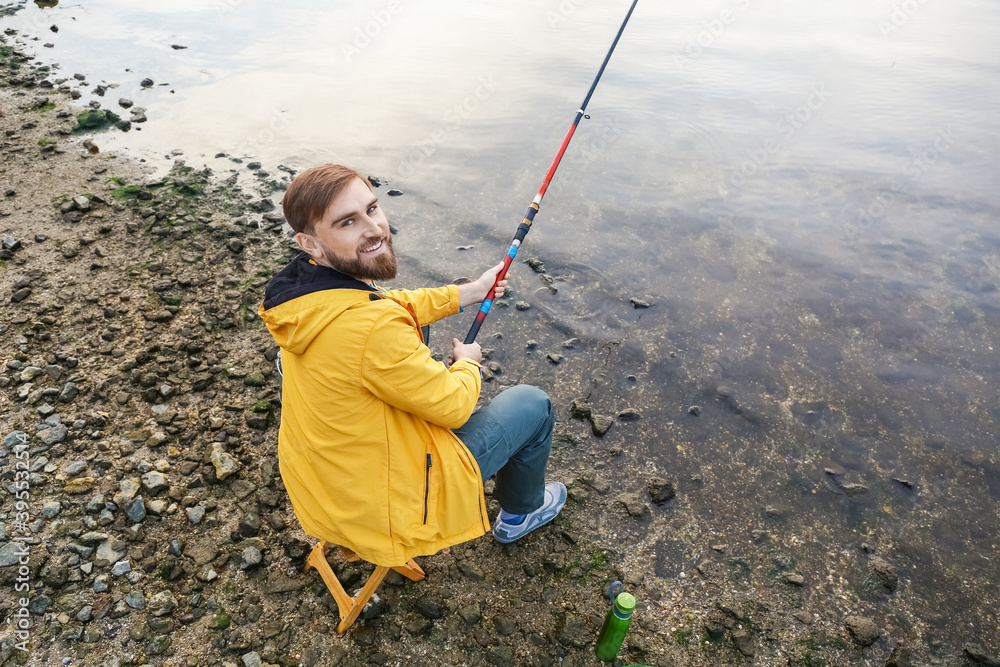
616,623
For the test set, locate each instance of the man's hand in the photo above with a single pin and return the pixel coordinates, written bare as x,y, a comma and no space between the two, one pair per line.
463,351
476,291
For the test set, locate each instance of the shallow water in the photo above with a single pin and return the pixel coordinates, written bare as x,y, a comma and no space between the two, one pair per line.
805,194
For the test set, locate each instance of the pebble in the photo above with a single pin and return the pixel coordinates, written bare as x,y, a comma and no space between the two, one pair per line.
121,568
101,583
196,514
51,509
136,510
252,557
395,193
135,599
522,305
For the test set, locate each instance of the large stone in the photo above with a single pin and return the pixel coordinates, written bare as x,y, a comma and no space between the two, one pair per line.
883,572
572,630
80,485
155,482
279,583
136,510
225,465
12,552
864,630
162,604
661,490
51,436
110,551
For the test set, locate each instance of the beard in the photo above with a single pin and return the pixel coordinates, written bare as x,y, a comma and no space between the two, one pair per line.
381,267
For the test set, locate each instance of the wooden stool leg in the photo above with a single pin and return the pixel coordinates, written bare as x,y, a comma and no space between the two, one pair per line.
362,598
350,608
411,570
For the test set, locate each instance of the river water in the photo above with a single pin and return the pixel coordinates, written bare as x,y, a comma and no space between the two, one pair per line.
804,193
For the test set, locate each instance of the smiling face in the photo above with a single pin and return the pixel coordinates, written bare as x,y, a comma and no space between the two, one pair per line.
353,236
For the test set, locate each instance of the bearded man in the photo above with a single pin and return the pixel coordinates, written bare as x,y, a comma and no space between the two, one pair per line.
379,445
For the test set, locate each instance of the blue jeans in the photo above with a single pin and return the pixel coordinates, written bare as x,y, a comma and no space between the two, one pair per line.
511,437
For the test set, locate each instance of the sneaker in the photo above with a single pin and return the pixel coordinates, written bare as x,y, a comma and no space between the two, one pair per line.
555,498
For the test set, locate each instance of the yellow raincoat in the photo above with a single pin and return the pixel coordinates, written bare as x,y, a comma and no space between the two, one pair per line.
365,445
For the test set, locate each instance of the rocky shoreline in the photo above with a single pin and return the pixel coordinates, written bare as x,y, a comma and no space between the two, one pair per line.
141,385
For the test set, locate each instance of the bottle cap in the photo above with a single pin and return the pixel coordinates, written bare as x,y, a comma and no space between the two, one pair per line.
625,603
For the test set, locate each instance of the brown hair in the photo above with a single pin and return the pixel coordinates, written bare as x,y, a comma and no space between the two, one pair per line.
312,192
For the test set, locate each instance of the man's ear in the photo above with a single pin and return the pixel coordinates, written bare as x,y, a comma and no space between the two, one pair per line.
309,245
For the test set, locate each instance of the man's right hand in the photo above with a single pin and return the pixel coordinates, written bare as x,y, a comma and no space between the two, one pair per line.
463,351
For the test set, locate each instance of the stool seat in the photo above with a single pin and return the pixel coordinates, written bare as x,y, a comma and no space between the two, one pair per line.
350,608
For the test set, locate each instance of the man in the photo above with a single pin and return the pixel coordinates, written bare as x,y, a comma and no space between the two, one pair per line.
379,448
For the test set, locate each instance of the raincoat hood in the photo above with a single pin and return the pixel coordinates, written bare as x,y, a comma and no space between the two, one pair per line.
294,321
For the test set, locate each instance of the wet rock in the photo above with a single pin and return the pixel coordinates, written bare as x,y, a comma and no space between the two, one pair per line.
979,656
417,625
900,657
572,630
250,524
500,656
431,607
629,414
883,572
600,424
471,571
695,410
854,490
795,578
661,490
863,629
633,505
639,303
580,409
471,613
522,305
537,265
743,642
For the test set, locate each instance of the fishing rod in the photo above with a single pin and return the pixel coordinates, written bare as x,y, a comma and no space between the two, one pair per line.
525,226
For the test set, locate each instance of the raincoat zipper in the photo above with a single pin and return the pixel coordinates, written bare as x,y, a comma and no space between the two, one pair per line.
427,486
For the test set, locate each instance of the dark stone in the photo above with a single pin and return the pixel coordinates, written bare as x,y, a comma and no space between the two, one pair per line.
883,572
864,630
580,409
250,524
743,642
505,625
600,424
500,656
417,625
431,607
661,490
395,193
146,83
979,656
572,630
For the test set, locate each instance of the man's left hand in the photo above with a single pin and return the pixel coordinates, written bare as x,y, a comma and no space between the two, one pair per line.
477,290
